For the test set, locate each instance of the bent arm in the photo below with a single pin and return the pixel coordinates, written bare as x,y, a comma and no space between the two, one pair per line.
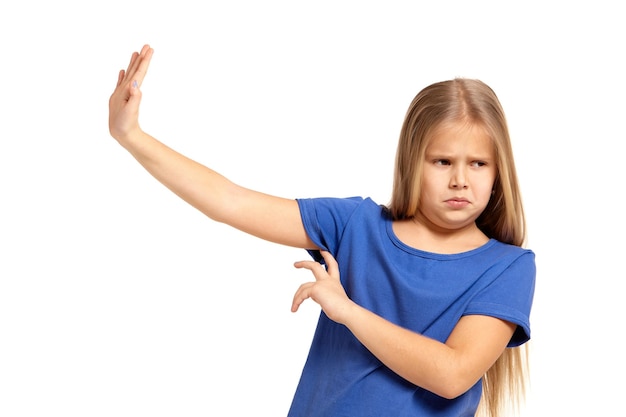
446,369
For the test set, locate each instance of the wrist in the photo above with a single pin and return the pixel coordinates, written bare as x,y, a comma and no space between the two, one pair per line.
129,138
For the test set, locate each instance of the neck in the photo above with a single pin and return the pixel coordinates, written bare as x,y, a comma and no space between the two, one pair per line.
432,238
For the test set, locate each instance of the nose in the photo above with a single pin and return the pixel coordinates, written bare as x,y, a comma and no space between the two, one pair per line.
459,179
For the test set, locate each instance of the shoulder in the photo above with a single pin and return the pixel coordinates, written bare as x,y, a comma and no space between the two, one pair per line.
504,260
336,205
329,217
496,247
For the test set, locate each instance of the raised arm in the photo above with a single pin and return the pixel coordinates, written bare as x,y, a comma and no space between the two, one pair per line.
268,217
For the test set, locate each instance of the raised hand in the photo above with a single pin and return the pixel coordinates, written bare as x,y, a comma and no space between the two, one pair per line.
326,290
125,100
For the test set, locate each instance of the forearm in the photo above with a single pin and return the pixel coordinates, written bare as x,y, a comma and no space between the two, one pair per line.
446,370
195,183
268,217
423,361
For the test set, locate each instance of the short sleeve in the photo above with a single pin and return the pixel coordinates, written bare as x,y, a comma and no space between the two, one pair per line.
325,219
510,297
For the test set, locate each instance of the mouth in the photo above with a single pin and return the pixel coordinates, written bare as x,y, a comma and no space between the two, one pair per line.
457,202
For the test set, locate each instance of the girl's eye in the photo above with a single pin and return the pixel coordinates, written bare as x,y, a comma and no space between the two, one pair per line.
442,162
478,164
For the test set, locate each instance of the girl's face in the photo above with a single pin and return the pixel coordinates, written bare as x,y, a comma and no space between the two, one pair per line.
459,171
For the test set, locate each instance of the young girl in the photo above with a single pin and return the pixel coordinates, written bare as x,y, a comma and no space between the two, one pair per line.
432,306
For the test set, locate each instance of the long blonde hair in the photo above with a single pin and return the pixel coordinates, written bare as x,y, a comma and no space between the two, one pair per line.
471,101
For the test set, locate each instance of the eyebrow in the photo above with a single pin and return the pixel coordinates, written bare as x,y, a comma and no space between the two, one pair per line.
447,155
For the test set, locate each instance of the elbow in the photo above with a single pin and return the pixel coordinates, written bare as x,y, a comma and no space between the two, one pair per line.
451,392
451,387
447,382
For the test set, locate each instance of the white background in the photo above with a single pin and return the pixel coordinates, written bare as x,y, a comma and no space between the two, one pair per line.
118,299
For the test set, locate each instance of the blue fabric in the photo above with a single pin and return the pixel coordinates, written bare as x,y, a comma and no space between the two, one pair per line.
421,291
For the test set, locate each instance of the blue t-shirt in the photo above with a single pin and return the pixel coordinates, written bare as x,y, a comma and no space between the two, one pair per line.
422,291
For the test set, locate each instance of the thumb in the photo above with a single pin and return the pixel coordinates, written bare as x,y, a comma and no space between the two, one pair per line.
135,94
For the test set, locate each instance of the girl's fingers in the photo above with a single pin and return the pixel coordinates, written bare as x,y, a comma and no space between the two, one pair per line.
141,65
120,77
331,264
319,271
133,59
300,295
137,67
310,265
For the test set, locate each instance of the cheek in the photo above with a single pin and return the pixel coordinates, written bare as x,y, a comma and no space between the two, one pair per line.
434,180
482,184
484,195
484,190
432,186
